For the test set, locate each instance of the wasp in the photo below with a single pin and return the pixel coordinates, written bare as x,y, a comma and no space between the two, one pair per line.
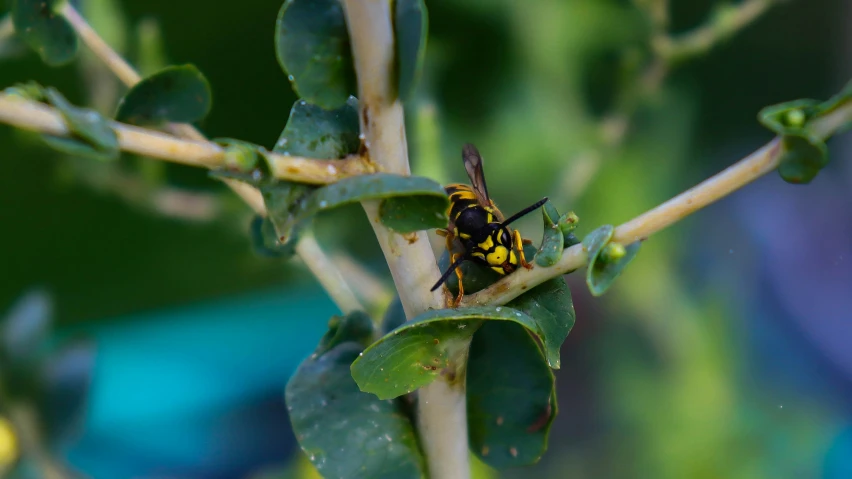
480,227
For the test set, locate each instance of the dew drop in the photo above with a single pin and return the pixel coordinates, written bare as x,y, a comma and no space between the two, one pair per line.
323,204
291,78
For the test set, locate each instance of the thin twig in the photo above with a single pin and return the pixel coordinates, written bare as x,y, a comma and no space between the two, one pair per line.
640,228
727,21
99,47
31,115
327,274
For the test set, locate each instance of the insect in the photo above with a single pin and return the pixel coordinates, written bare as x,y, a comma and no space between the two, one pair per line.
480,227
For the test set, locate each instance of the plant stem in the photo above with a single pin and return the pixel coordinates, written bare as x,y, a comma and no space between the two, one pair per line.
196,151
727,21
442,415
39,117
640,228
327,274
99,47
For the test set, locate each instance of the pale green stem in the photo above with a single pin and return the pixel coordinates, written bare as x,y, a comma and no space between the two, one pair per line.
745,171
441,410
729,20
327,273
36,116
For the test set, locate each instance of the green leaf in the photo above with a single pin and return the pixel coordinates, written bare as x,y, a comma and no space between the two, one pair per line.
343,431
422,211
801,159
324,134
552,308
803,154
48,33
312,46
311,132
415,353
790,117
606,260
349,190
91,134
552,242
411,25
178,94
511,398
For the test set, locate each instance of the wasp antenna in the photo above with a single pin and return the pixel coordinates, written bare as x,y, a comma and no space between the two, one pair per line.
448,272
524,211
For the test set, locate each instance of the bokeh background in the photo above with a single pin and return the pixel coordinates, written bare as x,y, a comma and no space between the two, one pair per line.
725,350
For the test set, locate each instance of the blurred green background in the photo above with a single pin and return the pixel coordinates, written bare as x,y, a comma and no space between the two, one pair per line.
723,351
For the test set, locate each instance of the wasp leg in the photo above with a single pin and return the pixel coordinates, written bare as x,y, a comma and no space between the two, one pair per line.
519,242
442,232
459,297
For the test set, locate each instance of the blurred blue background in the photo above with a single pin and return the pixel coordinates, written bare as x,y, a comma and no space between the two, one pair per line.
723,351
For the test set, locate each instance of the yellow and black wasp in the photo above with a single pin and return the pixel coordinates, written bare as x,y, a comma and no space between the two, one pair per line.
480,227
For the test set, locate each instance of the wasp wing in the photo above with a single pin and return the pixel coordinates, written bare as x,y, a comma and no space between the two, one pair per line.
473,165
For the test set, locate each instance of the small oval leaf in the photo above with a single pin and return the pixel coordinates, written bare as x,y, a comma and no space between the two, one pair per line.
178,94
312,132
511,399
803,155
411,25
552,241
802,158
312,46
45,31
350,190
329,414
91,134
604,268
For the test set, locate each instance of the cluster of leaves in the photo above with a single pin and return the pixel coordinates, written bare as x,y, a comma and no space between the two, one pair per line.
804,152
35,373
353,389
174,94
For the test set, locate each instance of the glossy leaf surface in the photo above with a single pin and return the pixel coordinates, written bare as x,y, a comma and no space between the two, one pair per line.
312,46
343,431
179,94
91,134
511,400
415,353
45,31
